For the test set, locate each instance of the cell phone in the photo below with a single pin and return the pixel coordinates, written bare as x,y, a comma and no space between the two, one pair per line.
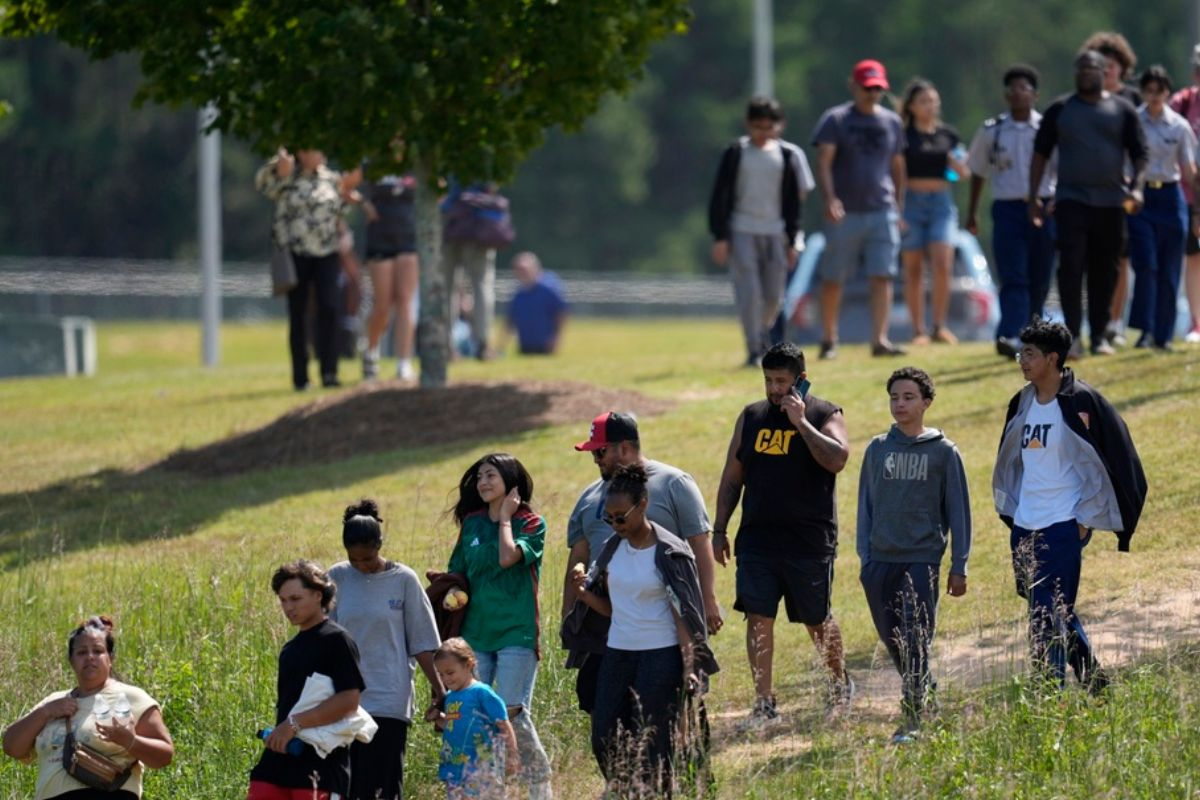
801,387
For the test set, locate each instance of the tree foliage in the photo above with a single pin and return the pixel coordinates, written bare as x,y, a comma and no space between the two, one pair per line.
469,85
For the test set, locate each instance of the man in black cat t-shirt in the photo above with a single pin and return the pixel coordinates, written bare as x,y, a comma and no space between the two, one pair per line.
782,464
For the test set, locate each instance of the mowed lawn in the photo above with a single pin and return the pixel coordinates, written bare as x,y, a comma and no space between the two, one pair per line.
183,562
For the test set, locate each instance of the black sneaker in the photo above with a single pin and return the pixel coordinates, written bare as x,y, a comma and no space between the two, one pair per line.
887,349
1144,342
1007,347
828,351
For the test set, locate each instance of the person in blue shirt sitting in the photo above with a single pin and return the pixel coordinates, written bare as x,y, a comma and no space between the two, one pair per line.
538,310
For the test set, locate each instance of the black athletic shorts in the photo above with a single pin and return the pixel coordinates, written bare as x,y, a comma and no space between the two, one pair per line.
804,584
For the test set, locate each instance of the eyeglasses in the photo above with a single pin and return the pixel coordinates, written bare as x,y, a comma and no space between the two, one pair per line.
618,519
1029,355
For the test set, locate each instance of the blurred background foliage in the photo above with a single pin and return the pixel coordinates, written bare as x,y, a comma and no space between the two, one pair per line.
89,175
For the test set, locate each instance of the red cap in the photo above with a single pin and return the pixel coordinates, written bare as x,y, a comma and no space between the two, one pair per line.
870,73
611,427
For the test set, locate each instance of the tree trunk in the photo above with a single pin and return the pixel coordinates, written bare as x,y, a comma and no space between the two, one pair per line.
433,321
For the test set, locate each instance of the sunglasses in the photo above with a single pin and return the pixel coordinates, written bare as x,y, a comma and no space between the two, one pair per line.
618,519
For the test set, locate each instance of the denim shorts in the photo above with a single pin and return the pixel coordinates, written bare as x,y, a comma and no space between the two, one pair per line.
870,240
931,217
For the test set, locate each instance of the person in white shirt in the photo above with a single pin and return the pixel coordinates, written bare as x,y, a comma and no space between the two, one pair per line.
1158,233
1001,150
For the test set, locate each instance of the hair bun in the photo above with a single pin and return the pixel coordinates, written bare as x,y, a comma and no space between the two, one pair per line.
99,621
631,472
366,507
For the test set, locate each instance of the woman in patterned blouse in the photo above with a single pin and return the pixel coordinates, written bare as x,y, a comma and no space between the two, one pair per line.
309,200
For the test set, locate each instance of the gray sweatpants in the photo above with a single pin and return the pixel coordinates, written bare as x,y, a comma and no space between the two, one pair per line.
479,264
758,267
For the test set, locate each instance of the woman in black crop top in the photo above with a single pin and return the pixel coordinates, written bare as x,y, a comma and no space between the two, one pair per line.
933,157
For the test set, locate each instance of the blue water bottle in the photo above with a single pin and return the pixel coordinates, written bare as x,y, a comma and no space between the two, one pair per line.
958,154
294,748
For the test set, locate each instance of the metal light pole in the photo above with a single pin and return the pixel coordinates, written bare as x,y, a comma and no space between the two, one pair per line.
208,186
764,49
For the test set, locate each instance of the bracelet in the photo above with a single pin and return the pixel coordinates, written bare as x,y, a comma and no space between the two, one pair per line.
295,725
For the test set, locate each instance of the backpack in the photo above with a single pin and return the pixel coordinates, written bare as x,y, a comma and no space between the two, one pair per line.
479,217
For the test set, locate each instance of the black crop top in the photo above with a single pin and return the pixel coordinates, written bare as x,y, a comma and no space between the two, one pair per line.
925,153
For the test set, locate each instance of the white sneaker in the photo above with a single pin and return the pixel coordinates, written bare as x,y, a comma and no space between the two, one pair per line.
1193,336
404,370
763,715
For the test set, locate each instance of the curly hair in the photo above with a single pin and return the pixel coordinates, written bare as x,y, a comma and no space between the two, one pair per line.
1111,44
918,376
311,577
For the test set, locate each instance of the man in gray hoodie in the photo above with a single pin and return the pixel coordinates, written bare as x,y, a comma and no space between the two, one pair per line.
912,494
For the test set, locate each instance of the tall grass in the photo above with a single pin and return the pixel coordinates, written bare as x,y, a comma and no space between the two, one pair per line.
184,563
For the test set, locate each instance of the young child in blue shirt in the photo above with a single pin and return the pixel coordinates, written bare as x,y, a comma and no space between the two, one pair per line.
474,718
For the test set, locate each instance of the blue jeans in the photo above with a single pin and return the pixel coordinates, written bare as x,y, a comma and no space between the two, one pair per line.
1047,564
1156,240
638,696
512,671
1024,264
903,601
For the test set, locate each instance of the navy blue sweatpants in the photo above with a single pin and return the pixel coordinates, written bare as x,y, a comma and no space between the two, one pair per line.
903,602
1047,564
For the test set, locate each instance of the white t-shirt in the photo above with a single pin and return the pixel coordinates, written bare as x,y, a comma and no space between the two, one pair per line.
1050,487
641,612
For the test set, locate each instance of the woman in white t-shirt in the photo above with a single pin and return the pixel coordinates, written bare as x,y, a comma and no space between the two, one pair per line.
650,656
120,721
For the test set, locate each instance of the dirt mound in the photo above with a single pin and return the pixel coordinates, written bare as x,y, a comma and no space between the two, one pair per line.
389,416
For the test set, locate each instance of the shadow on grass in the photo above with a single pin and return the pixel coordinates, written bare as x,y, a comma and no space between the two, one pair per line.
322,445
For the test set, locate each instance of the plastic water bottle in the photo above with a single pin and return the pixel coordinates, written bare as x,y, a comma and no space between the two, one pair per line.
122,710
958,154
294,747
101,711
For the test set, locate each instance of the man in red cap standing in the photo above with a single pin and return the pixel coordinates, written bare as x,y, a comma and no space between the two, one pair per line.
861,174
675,503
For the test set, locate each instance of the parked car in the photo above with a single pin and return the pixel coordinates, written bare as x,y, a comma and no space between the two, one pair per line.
974,304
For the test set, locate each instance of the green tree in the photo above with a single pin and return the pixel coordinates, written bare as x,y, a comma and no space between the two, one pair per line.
470,86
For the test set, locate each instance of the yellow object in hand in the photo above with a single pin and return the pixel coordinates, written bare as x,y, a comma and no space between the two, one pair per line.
454,600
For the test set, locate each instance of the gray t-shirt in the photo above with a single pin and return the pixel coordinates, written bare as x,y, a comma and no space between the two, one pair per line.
390,618
1092,140
862,166
756,204
675,504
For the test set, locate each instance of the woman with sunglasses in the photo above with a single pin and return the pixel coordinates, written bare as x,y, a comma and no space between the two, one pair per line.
646,581
499,549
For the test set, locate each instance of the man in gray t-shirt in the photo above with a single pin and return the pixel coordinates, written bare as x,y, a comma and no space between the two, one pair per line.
1093,132
674,503
861,173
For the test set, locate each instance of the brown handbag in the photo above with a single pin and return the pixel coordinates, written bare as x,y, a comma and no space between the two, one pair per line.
91,767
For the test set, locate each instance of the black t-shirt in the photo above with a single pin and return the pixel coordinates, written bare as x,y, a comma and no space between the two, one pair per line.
788,500
328,649
925,153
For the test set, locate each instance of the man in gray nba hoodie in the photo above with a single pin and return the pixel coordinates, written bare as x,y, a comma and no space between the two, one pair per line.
912,495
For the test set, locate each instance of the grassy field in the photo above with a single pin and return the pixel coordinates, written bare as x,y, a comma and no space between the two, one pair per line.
183,563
